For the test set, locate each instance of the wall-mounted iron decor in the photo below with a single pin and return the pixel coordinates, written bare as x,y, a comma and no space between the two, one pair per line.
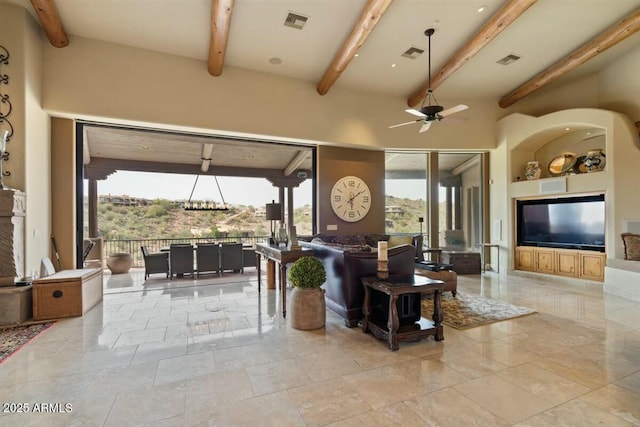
6,128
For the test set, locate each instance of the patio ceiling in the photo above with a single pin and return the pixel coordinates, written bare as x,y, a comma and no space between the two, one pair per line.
108,149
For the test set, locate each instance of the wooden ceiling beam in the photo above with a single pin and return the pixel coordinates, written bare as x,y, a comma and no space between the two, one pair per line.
499,21
369,18
220,24
626,27
50,21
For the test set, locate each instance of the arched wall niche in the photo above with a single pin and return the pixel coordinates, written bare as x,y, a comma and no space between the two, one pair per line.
524,137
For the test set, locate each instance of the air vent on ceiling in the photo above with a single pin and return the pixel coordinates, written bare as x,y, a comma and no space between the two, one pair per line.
509,59
413,52
295,20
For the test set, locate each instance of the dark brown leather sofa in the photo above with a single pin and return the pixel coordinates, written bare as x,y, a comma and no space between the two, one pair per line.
344,265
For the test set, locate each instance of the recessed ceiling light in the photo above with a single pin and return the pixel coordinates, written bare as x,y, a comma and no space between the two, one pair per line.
482,8
275,61
393,65
356,55
588,133
567,128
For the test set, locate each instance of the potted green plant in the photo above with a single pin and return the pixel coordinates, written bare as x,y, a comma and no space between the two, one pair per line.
307,309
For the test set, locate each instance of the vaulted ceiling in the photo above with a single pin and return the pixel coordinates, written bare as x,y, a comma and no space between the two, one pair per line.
551,37
359,44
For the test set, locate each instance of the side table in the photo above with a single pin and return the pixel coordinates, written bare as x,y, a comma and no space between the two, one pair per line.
387,325
281,256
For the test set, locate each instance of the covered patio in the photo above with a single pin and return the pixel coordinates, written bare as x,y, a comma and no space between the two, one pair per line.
107,149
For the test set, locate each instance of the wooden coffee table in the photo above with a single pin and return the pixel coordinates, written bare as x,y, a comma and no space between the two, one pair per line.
413,326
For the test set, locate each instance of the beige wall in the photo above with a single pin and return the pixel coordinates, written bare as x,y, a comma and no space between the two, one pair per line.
29,147
522,136
615,88
619,86
334,163
63,182
112,82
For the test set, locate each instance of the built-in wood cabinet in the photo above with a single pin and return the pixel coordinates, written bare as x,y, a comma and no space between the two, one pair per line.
567,263
524,258
561,262
592,265
544,260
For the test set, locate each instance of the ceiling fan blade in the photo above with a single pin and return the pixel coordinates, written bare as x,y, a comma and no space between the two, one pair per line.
405,123
448,111
425,127
415,112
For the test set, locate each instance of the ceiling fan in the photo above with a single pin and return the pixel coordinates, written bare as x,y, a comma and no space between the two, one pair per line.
432,111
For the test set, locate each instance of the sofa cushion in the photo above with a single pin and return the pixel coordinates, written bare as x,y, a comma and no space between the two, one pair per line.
631,246
400,240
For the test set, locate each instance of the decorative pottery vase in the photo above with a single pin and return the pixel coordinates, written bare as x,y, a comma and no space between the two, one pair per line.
282,237
532,170
595,160
307,308
119,263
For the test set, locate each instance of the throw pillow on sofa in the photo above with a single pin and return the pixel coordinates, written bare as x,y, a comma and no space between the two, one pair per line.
631,246
399,240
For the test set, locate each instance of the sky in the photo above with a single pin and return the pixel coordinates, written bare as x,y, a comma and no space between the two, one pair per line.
236,191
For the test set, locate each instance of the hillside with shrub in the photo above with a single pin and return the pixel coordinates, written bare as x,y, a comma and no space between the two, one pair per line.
167,219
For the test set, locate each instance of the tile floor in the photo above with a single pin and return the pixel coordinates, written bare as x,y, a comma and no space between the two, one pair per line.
217,353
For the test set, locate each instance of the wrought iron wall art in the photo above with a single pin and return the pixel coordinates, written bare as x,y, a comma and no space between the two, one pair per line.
6,128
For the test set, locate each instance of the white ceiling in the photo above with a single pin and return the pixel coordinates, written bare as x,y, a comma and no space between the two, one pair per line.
544,34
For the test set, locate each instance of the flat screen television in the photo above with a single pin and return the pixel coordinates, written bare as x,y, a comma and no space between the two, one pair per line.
570,223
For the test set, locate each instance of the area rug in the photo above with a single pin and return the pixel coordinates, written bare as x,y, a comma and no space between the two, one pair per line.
14,338
468,311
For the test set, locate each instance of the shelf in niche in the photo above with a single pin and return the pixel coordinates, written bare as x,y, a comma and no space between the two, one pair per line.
561,176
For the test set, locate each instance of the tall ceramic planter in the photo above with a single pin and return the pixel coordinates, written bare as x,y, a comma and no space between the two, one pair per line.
307,309
119,263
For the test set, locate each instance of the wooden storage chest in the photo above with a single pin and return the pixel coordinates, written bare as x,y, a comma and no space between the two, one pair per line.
67,293
462,262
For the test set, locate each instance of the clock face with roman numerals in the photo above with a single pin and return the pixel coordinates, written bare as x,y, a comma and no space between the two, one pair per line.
350,198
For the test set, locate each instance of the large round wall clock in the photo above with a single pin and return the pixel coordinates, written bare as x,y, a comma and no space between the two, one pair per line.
350,198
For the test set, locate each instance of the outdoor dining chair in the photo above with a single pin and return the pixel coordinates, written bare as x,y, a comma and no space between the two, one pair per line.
207,258
155,262
180,260
231,257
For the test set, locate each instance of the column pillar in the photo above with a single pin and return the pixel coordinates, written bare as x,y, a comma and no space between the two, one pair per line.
433,204
12,217
457,210
449,208
93,208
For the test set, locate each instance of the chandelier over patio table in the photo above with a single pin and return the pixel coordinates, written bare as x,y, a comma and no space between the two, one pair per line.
205,206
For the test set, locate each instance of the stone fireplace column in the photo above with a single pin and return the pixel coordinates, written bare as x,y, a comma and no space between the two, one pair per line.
12,213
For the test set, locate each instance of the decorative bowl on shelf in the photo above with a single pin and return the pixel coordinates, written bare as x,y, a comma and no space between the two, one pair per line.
562,164
595,160
580,167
